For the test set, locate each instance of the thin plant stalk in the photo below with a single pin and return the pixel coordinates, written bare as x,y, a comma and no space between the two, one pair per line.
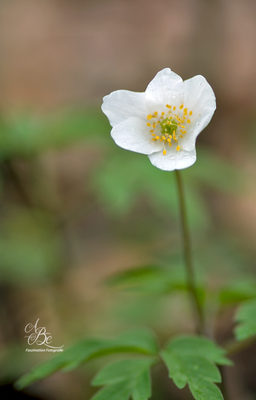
186,241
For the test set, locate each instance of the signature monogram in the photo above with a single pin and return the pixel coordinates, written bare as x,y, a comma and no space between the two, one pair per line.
39,335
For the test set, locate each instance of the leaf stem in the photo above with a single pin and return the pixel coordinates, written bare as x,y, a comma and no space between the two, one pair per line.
198,311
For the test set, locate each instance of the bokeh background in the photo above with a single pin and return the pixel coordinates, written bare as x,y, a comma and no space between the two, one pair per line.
75,208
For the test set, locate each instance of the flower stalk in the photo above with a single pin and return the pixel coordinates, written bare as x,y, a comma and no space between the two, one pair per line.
197,307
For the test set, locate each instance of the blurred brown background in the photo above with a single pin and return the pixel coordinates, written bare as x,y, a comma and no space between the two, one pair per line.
59,58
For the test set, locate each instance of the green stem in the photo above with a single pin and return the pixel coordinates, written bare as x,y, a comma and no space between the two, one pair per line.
198,311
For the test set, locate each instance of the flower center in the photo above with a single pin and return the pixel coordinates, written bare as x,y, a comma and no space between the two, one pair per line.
170,125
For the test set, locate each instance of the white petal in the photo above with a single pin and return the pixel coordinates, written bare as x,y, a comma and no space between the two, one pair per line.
199,98
173,159
122,104
133,134
166,88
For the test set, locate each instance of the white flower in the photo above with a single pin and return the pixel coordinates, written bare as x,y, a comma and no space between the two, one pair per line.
164,121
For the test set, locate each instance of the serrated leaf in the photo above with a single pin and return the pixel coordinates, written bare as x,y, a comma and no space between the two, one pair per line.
203,390
133,374
199,346
246,318
140,341
142,390
191,360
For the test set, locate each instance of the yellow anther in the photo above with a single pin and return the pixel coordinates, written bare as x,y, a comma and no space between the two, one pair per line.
184,132
191,112
174,108
162,113
188,120
155,113
149,116
163,138
152,130
170,143
154,125
153,134
168,140
157,138
178,148
181,106
181,136
185,110
182,126
164,152
168,106
148,124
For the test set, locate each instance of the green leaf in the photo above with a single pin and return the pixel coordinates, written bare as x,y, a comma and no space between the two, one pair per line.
150,279
140,341
133,374
153,279
142,390
119,391
238,291
246,318
203,390
191,360
198,346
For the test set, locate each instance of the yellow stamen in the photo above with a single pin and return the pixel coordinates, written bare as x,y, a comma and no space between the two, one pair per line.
174,108
149,116
188,120
181,106
164,152
178,148
157,138
156,113
148,124
191,112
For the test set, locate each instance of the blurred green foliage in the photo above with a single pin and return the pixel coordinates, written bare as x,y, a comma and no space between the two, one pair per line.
28,135
30,248
140,342
123,188
191,360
